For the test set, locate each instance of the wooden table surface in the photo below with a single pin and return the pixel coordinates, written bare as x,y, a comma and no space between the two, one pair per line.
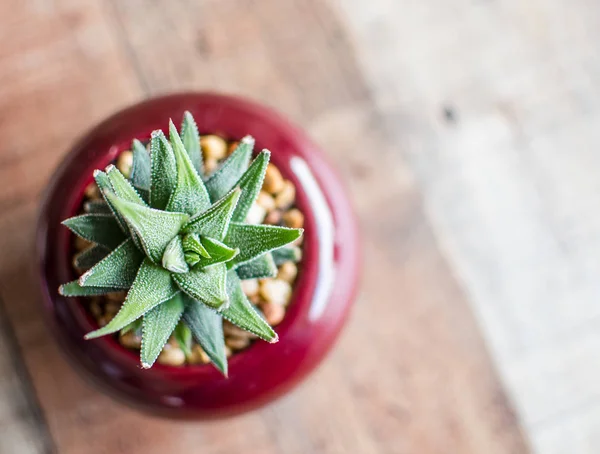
467,135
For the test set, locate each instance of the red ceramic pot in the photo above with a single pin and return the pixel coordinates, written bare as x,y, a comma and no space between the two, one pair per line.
323,292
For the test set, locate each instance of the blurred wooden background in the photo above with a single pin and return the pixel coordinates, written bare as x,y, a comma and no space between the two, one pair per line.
467,134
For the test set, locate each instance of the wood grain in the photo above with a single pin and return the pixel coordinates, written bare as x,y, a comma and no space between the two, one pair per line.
504,108
410,374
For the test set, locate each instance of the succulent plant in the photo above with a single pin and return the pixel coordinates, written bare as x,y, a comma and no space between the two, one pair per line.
177,242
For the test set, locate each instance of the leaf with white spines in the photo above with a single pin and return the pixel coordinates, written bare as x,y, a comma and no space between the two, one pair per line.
215,221
141,167
206,285
163,175
152,286
173,258
84,260
101,229
159,323
255,240
189,195
191,141
207,328
226,177
241,312
250,183
74,289
259,268
117,270
154,228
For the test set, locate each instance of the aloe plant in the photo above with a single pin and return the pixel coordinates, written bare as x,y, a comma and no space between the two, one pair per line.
177,242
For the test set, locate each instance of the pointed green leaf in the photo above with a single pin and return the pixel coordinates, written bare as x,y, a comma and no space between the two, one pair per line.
158,325
287,254
98,228
183,337
218,252
154,228
152,286
241,313
121,187
174,258
207,328
250,183
74,289
117,270
163,175
192,243
191,141
96,207
214,221
106,188
259,268
135,326
190,194
88,258
225,179
255,240
140,169
206,285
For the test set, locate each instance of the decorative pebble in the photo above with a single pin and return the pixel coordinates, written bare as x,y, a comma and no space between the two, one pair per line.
275,291
210,165
287,272
130,340
171,356
91,191
293,218
237,343
231,330
213,147
286,196
231,148
273,218
250,287
266,201
81,244
198,356
273,182
112,307
124,163
273,313
256,214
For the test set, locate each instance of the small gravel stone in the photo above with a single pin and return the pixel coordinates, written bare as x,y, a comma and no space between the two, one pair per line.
266,201
256,214
81,244
231,148
228,351
213,147
275,291
231,330
250,287
130,340
117,297
273,313
287,272
198,356
293,218
273,182
237,343
273,218
286,196
124,163
92,191
171,356
210,165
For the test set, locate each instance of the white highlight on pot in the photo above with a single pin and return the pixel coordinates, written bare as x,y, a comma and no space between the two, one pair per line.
325,236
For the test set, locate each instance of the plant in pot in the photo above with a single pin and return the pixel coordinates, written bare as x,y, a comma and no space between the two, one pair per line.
189,250
176,244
